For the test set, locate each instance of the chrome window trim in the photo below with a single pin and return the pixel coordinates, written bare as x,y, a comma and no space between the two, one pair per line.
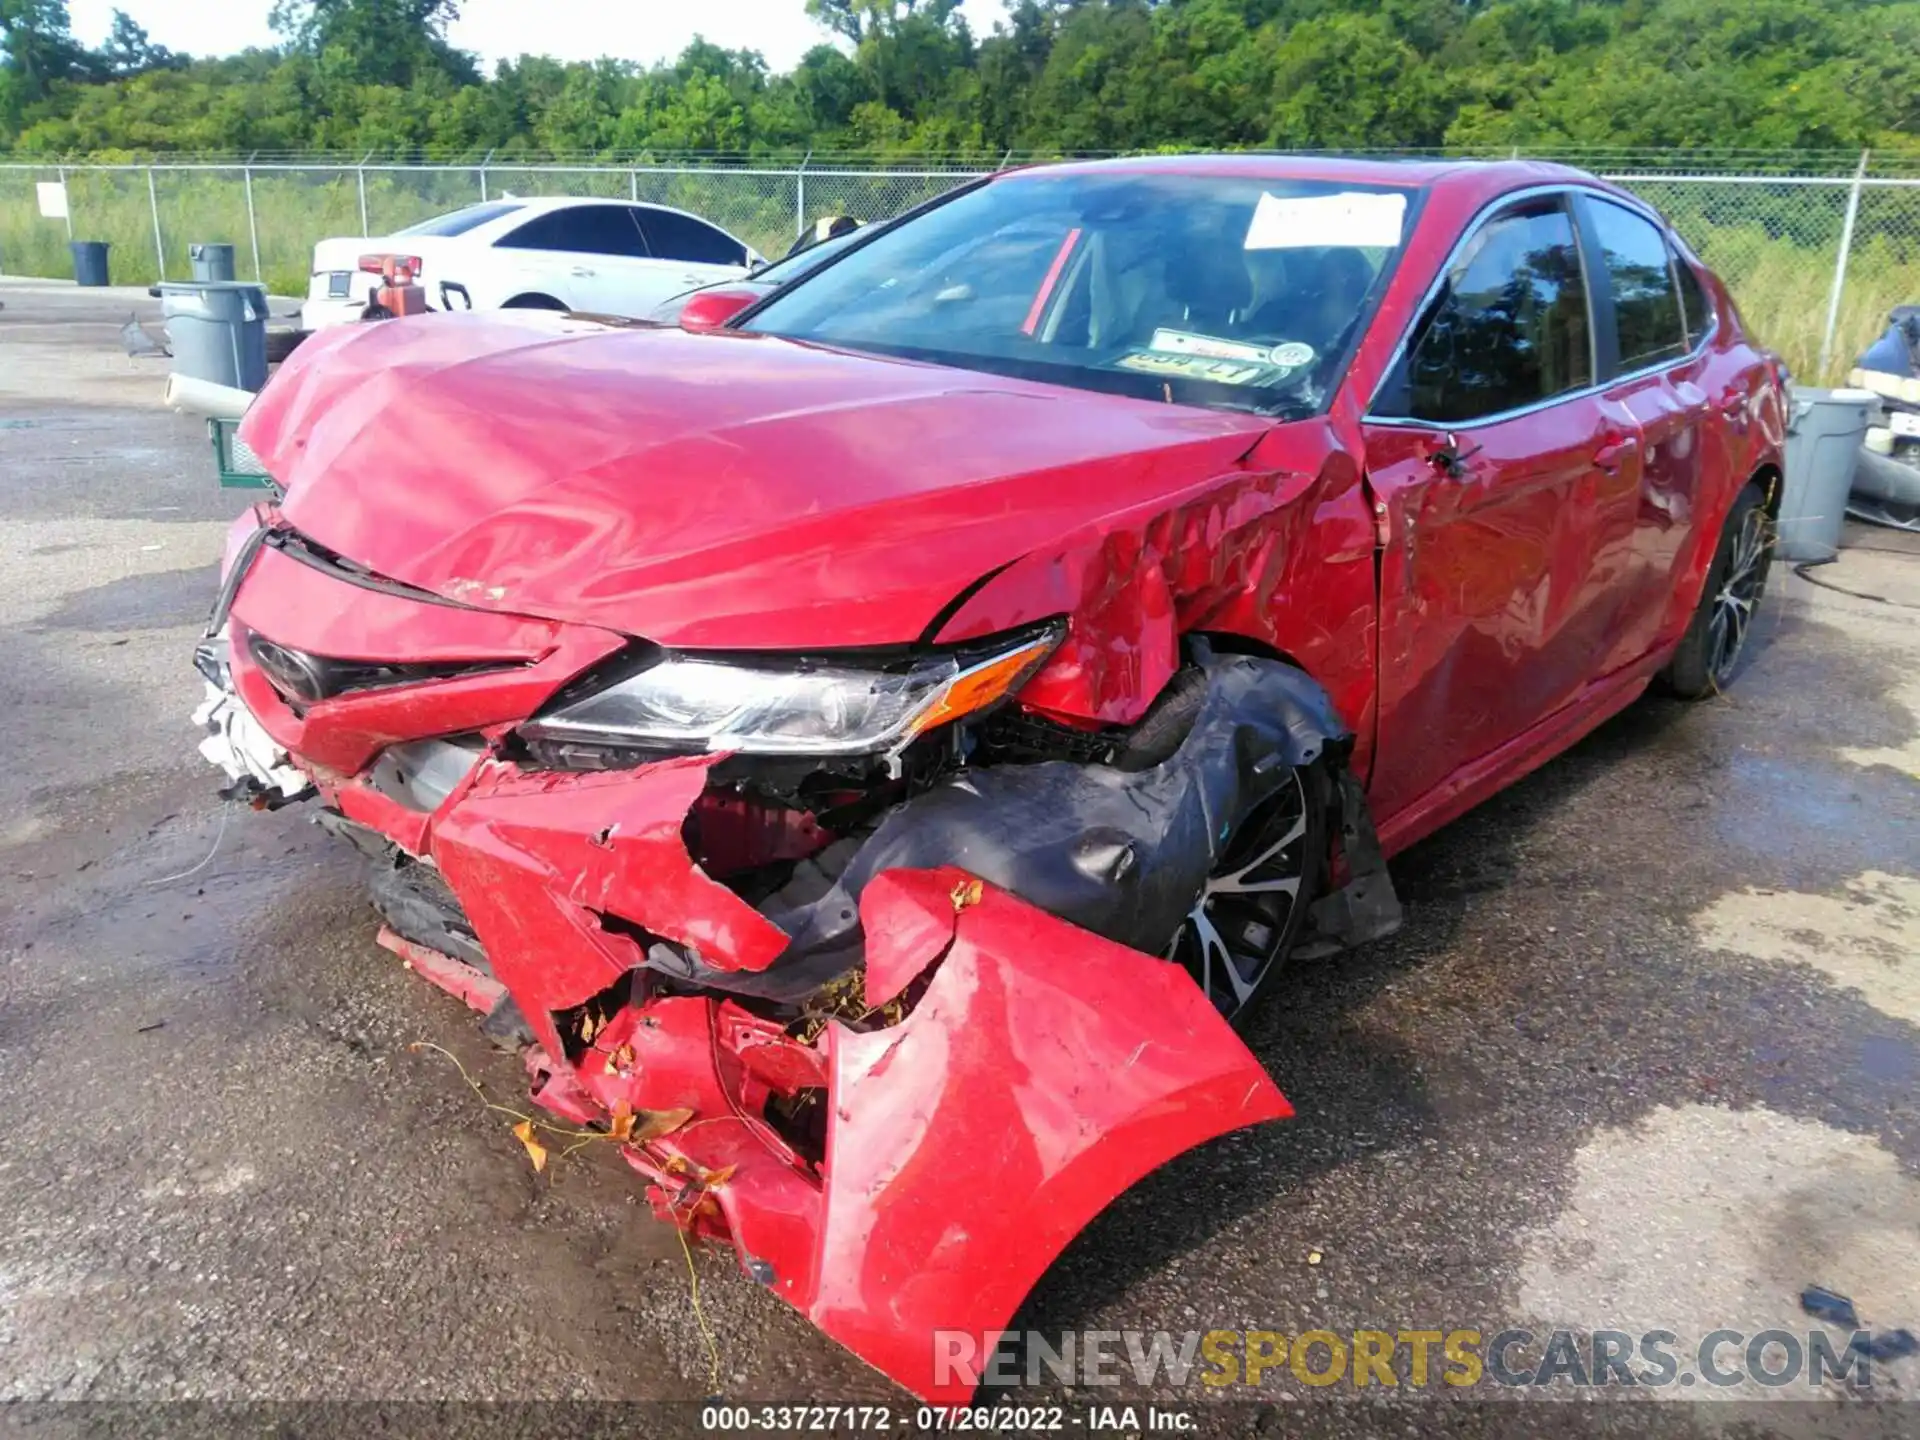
1485,216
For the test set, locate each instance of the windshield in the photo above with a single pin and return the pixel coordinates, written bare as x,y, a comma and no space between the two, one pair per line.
458,222
789,268
1204,290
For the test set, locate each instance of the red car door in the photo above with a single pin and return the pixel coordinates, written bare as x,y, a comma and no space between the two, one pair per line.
1510,485
1666,379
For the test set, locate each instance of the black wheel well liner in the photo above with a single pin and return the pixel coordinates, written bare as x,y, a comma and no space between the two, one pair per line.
1232,642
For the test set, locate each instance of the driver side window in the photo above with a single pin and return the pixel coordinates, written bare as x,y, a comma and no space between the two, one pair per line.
1509,329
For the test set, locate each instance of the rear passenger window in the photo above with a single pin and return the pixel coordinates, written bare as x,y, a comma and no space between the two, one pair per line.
1509,329
1646,306
1695,308
681,237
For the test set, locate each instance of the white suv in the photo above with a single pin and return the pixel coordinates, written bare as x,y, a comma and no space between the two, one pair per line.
610,257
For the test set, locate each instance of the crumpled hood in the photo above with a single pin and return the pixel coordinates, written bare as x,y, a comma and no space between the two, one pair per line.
721,490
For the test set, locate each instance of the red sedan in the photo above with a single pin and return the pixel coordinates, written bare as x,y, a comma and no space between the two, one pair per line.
868,755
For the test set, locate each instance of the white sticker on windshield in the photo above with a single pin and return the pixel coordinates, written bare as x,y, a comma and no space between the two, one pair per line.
1352,217
1292,354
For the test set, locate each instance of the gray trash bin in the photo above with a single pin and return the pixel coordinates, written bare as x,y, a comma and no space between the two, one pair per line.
1823,441
211,262
89,262
218,330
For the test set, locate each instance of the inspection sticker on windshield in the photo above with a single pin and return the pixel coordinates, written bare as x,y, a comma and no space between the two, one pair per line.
1351,218
1184,342
1196,367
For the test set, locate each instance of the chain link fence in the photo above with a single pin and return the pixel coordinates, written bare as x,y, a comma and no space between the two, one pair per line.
1814,249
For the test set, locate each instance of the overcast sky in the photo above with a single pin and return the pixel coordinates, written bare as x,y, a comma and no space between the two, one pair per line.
641,30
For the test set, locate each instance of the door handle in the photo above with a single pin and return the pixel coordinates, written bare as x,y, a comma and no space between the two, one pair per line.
1610,455
583,272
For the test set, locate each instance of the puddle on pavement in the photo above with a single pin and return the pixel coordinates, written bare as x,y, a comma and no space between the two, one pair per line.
157,600
1904,757
1894,1061
195,926
1811,820
138,903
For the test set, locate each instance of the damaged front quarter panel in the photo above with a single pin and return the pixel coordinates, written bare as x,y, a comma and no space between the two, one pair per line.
1043,1071
996,1064
1039,1073
997,1042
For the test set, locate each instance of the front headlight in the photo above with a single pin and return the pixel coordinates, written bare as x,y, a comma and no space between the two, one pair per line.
761,707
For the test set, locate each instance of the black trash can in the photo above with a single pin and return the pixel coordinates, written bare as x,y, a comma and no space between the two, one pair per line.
89,262
211,262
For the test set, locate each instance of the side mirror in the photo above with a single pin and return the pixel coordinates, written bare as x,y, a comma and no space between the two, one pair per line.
710,309
1450,459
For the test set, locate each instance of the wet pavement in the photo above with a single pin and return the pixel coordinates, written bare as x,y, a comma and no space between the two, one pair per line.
1643,1058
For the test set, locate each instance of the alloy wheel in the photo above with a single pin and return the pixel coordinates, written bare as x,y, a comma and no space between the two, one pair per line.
1739,595
1241,922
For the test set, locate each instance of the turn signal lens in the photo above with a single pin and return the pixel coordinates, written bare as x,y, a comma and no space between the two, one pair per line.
984,684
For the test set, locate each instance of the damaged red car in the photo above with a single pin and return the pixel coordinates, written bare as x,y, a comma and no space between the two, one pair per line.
869,755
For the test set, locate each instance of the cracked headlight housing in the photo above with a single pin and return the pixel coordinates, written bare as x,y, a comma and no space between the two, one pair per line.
761,705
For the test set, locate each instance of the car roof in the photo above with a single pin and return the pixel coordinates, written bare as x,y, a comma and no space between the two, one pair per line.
1413,172
567,202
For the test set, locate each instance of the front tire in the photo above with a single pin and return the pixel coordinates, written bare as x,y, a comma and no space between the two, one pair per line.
1254,905
1716,638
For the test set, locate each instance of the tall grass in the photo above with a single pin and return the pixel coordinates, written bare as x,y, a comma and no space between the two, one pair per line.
1774,246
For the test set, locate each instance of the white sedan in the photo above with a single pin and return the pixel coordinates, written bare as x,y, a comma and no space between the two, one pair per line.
610,257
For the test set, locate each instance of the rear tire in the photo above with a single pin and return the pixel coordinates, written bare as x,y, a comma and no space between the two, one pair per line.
1716,638
533,302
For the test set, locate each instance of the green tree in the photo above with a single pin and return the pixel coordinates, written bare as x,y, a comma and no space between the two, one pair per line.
908,77
1349,81
129,51
375,42
39,45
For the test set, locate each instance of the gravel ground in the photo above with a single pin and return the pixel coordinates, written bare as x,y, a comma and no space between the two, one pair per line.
1643,1058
